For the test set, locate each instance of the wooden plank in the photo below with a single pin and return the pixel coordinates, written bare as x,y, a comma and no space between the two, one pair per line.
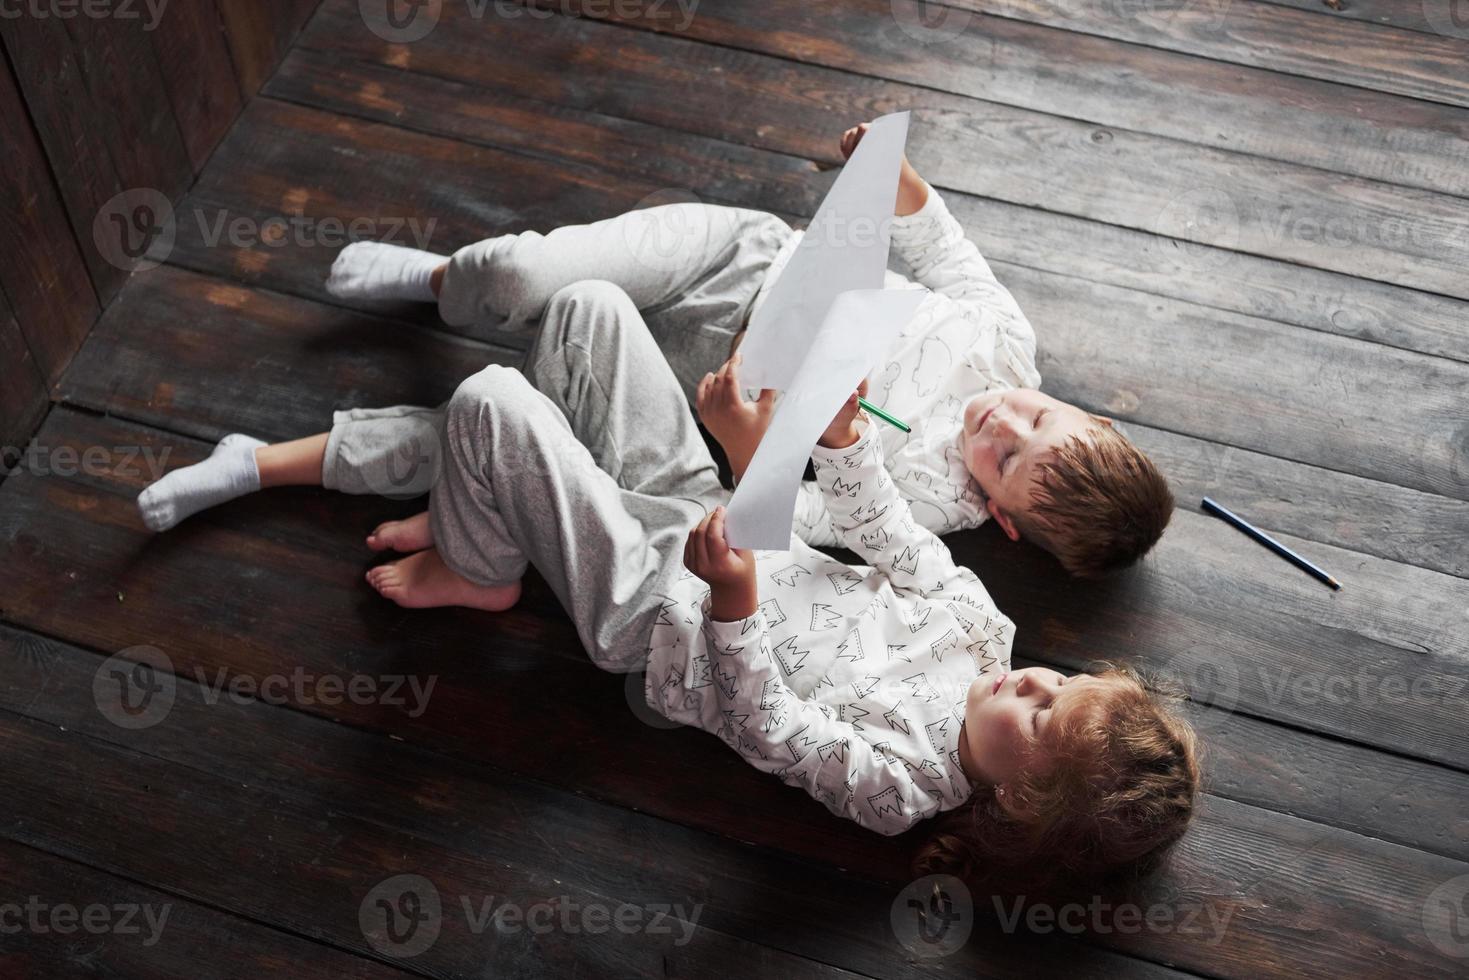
1270,36
1206,596
23,392
476,834
1439,17
761,101
1110,84
136,374
182,939
288,344
260,34
70,71
1187,349
193,55
44,275
1291,887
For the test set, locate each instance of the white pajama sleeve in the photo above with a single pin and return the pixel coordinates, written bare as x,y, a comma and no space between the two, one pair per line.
801,741
873,519
931,241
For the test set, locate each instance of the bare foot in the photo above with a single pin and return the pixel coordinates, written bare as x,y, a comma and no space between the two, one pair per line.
414,534
423,581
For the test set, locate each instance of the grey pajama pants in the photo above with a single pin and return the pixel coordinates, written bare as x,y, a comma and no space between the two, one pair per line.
692,270
588,464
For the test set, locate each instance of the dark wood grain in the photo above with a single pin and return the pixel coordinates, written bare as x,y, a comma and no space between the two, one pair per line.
259,35
1445,22
70,71
250,565
23,392
1108,83
183,941
1182,350
798,109
337,811
194,57
1267,35
43,274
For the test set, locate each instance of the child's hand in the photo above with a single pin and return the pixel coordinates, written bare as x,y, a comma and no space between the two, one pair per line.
912,191
843,429
730,572
737,424
852,137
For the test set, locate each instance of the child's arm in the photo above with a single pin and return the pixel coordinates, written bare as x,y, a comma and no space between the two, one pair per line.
932,243
738,425
873,519
764,720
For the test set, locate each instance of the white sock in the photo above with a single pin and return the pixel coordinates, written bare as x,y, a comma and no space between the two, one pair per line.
229,472
377,270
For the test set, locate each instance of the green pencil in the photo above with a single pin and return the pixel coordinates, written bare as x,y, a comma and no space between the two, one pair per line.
867,405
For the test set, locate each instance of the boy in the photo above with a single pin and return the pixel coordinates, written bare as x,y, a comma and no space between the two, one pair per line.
985,444
883,690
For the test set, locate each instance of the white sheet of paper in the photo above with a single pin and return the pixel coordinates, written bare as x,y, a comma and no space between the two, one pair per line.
844,248
859,327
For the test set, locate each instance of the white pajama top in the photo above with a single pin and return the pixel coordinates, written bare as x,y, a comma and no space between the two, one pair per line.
967,337
848,681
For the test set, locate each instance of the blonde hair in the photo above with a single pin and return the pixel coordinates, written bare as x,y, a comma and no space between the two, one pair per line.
1100,503
1118,790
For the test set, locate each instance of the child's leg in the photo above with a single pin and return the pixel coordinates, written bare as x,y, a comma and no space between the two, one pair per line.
596,360
517,487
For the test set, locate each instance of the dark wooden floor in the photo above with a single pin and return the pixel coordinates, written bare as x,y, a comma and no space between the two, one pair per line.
1241,228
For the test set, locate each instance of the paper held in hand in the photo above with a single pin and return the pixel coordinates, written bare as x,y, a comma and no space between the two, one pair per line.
821,330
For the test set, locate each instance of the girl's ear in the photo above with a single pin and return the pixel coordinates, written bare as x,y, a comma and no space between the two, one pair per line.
1103,420
1003,519
1006,798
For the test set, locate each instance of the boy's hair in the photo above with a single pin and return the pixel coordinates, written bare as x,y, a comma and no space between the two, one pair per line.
1117,793
1099,503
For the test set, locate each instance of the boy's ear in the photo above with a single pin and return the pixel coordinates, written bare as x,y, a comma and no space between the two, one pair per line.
1103,420
1003,519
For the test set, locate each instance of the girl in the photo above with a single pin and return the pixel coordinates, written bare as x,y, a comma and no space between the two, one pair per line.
883,690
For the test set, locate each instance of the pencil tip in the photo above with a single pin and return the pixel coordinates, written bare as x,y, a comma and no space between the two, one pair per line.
1334,584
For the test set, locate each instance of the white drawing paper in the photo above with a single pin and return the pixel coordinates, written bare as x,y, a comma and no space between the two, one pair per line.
823,327
861,325
845,247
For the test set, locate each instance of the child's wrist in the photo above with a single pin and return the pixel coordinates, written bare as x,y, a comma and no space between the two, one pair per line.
841,440
730,602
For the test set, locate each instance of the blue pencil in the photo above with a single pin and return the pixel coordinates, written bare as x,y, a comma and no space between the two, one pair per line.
1270,543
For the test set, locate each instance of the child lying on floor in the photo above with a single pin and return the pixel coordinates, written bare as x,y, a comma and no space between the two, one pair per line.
882,690
984,442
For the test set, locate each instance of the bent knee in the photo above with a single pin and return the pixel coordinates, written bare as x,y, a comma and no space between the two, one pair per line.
495,385
590,293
